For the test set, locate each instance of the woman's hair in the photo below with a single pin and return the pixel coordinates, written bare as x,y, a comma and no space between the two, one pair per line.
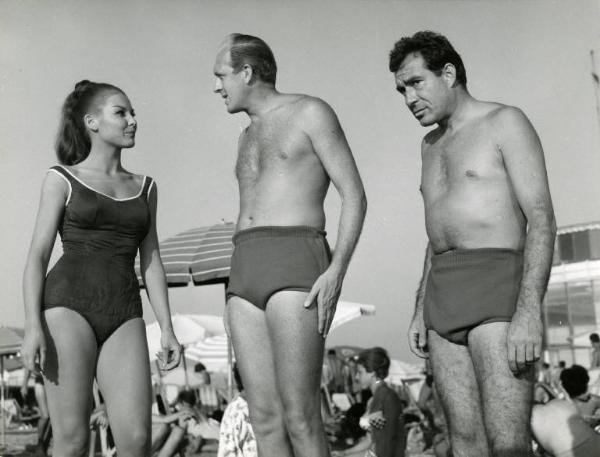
73,141
375,360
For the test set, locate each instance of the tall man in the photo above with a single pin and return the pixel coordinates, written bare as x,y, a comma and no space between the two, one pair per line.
490,223
284,283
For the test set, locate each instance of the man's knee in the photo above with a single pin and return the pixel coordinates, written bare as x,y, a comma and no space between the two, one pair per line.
265,420
301,419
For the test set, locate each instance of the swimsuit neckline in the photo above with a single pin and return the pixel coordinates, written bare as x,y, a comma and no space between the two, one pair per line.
102,193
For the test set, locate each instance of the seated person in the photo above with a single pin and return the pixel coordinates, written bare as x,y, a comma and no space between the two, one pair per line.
575,382
208,395
169,431
559,427
236,438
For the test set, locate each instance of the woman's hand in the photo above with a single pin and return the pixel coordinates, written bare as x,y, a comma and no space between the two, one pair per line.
33,350
170,356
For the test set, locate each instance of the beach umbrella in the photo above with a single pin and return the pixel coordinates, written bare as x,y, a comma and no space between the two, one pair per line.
200,255
10,344
189,329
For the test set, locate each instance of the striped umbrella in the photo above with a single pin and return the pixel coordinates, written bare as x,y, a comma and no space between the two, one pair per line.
201,255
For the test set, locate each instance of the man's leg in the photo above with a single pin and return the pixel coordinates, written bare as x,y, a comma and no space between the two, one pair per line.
456,385
506,398
298,352
253,353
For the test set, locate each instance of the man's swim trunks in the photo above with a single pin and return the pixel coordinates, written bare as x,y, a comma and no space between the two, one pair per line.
469,287
95,276
270,259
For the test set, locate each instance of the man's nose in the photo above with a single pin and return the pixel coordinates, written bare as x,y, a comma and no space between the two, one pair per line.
218,86
410,97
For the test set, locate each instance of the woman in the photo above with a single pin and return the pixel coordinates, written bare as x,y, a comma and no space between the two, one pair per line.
84,320
383,418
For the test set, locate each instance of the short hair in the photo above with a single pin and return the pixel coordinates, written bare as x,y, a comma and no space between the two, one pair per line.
375,360
595,338
251,50
562,364
187,396
435,49
575,380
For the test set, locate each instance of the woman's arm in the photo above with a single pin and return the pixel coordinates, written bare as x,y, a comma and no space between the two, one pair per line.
50,212
154,278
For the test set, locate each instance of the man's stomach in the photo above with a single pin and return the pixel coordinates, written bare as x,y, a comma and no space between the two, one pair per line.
455,225
276,210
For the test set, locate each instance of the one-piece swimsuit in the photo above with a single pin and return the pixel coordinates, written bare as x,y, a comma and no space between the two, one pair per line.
101,236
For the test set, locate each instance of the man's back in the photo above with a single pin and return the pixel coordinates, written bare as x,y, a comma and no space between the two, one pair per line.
469,201
281,178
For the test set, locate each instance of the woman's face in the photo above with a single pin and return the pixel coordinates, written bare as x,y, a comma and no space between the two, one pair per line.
115,121
363,377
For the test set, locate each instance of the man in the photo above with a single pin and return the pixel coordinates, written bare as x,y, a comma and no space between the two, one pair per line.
490,223
595,355
284,283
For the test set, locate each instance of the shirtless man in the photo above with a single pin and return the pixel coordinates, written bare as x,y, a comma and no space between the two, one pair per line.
284,283
490,223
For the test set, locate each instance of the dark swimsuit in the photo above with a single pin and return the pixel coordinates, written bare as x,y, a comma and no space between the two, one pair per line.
270,259
101,236
470,287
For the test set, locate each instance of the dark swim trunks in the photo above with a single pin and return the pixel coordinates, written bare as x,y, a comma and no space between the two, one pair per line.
95,276
470,287
270,259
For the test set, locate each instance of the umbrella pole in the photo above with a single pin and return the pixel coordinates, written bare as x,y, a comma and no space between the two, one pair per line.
185,372
2,399
229,358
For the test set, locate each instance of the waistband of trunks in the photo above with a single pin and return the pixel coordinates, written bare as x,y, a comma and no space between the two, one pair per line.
270,231
462,256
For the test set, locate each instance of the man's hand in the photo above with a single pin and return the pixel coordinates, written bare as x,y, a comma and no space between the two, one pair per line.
325,292
524,340
417,336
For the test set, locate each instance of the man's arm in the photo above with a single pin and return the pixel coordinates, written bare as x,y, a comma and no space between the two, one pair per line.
524,161
329,142
417,333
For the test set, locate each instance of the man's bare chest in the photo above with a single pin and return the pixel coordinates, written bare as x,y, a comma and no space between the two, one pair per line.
269,148
460,160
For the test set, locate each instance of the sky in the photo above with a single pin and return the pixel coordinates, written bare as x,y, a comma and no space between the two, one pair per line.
530,54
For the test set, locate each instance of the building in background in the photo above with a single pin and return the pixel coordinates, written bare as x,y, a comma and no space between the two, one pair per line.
572,305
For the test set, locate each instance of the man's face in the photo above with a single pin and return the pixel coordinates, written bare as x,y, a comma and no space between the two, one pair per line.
426,94
228,84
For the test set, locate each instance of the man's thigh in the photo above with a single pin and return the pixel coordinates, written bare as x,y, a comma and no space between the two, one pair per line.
506,398
457,387
298,348
253,351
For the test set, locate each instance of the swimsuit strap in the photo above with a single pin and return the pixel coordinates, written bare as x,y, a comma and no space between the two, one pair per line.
148,185
64,174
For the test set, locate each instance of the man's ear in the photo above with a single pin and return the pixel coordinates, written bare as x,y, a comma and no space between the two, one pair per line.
248,73
449,74
90,122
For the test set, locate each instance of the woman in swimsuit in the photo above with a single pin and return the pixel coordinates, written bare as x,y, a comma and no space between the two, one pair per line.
84,319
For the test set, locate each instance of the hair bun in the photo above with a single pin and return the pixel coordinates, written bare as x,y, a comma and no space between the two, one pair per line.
82,85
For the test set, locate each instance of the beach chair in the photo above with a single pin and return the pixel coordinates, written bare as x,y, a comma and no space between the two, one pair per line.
15,416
